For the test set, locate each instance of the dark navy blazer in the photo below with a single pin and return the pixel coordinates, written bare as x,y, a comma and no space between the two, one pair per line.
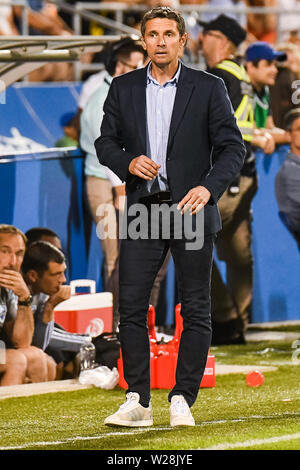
205,146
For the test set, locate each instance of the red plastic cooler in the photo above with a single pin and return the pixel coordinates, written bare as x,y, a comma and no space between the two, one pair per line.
86,313
163,357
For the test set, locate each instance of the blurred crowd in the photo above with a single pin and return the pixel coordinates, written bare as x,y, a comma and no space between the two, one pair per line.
45,18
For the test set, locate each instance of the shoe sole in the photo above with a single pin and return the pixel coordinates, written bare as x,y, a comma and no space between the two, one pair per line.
177,423
130,424
182,425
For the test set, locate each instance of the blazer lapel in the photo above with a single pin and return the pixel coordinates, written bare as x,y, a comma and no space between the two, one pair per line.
183,94
139,105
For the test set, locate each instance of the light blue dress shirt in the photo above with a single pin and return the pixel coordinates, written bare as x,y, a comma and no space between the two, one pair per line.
90,122
159,105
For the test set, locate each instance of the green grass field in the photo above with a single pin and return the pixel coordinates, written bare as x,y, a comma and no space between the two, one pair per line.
230,416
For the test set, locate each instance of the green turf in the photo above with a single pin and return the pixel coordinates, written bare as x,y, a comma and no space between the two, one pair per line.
287,327
230,413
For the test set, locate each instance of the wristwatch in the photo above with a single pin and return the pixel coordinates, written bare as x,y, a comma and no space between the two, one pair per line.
26,302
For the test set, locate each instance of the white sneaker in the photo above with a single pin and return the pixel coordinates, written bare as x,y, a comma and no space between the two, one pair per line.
180,414
131,413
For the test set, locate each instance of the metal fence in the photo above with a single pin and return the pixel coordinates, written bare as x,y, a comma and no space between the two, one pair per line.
96,12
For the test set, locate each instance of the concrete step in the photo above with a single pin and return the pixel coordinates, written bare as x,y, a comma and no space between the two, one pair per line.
40,388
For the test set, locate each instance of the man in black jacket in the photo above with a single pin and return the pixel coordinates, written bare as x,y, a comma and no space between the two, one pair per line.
170,133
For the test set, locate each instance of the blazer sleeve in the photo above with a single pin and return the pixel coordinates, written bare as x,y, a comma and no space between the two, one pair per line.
110,146
228,147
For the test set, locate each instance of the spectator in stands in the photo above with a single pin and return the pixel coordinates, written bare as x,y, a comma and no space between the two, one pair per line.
43,234
231,8
24,361
62,342
102,186
261,60
262,25
44,272
43,269
90,85
289,23
70,125
7,23
43,18
281,93
287,184
193,29
94,81
223,5
133,19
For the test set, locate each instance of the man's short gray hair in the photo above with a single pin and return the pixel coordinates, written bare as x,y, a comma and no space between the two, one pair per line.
163,12
6,228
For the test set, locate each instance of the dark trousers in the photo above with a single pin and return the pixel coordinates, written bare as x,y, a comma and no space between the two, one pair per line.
140,261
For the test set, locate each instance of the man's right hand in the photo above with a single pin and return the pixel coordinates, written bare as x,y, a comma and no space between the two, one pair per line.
144,167
64,293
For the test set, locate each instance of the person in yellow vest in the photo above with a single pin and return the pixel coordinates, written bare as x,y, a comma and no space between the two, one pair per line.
231,299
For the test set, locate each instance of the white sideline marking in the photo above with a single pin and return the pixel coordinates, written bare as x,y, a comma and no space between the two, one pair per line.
166,428
253,442
82,438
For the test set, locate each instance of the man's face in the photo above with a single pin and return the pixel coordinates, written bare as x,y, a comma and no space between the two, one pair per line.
12,249
162,41
134,61
55,241
295,137
52,279
264,74
211,42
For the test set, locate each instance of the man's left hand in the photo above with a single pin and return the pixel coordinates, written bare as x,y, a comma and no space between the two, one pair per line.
194,200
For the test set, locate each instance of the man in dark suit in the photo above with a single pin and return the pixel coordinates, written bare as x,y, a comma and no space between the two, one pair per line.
170,133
